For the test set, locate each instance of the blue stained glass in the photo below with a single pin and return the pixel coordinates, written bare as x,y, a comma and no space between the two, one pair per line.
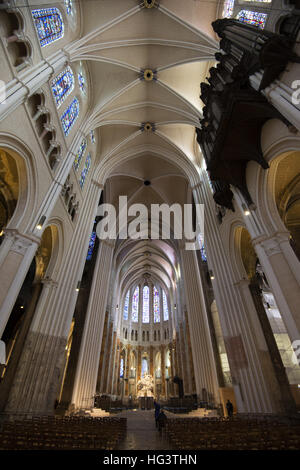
68,5
62,86
202,249
126,306
253,18
91,246
165,307
135,305
85,170
70,116
93,138
146,316
156,309
81,82
122,367
49,25
79,154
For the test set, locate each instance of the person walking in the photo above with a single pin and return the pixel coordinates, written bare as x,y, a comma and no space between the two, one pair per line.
229,407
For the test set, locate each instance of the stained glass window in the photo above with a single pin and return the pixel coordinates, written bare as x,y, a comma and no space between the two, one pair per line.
91,246
49,25
201,245
156,309
122,367
87,166
79,154
228,8
253,18
126,306
135,305
93,138
144,366
70,116
165,307
146,317
68,5
81,82
62,86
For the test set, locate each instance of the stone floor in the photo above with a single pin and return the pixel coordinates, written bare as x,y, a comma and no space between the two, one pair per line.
141,432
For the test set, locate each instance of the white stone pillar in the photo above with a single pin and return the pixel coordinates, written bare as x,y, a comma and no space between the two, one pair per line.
88,363
280,95
273,255
16,254
250,386
204,363
39,374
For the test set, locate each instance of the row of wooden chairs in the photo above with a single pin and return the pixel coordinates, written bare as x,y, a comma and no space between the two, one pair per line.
49,433
236,434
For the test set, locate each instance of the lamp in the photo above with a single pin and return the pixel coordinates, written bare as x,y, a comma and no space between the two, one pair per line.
245,209
211,275
78,286
41,222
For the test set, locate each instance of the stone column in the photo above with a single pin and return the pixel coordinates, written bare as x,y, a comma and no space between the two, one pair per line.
280,95
251,389
128,349
163,370
139,363
190,355
152,360
283,274
205,368
107,358
99,386
111,368
286,398
16,254
87,368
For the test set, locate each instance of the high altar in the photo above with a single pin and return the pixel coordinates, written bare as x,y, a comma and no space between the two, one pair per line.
145,392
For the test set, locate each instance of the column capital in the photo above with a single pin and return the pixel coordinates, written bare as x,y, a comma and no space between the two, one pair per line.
197,185
49,282
96,183
272,244
20,242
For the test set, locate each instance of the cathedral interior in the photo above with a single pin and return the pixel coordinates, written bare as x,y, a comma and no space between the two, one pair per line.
159,104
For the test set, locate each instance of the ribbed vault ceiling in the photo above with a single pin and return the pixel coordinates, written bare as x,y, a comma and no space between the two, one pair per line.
122,38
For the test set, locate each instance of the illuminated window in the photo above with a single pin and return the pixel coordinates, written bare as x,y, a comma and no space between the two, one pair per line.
81,82
122,367
79,154
87,166
91,246
68,5
49,25
126,307
156,309
135,305
165,307
228,8
253,18
93,138
201,245
70,116
146,316
62,86
144,366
